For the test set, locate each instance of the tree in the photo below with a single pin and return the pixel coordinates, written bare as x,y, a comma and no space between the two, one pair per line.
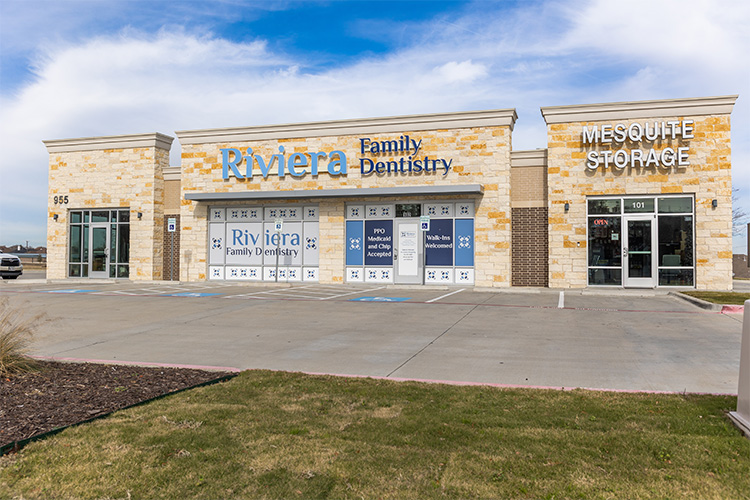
739,216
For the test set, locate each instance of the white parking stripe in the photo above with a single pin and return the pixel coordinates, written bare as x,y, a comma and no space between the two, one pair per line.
561,301
444,296
354,292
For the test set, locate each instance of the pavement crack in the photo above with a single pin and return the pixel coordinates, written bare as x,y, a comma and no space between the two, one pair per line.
433,340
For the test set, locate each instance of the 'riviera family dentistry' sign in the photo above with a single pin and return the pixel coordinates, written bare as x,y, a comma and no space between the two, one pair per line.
258,244
335,162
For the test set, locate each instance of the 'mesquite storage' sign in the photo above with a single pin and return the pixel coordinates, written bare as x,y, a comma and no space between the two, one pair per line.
638,133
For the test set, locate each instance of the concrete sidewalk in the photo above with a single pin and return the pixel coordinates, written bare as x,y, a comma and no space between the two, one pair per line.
625,341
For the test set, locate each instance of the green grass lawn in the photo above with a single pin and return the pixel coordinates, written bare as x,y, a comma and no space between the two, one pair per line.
728,298
281,435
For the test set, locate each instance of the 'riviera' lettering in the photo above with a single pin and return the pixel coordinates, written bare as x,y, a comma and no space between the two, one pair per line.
296,164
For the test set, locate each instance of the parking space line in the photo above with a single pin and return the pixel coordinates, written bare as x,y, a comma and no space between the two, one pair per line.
444,296
251,294
561,301
309,290
354,292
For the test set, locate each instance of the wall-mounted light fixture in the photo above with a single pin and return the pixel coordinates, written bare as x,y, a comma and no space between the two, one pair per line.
140,214
714,203
54,217
567,207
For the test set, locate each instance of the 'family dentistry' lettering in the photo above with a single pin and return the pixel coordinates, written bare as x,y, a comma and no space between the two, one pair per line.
409,165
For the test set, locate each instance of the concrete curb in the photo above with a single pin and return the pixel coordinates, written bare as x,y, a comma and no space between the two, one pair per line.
503,386
710,306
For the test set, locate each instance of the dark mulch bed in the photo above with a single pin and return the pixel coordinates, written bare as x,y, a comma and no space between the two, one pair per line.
61,394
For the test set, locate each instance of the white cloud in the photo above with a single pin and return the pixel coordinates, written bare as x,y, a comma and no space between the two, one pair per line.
679,33
538,55
463,72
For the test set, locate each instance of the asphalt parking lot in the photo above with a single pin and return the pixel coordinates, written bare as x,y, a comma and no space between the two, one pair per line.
622,340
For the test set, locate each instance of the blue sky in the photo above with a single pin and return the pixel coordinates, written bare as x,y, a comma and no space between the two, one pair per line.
89,68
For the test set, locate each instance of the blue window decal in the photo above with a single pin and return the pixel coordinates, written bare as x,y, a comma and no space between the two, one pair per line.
465,242
439,243
379,243
354,242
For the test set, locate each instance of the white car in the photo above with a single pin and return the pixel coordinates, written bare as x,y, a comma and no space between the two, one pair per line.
10,266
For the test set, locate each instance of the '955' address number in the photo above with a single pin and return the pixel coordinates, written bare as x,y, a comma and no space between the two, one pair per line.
60,200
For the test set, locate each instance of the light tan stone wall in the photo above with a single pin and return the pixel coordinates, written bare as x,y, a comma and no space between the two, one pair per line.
708,177
480,156
109,178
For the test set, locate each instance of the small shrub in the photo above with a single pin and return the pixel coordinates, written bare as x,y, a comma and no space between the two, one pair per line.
16,334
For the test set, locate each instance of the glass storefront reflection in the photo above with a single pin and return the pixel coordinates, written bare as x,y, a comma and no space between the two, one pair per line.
676,240
669,250
604,242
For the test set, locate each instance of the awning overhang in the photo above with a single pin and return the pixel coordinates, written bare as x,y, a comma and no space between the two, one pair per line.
431,190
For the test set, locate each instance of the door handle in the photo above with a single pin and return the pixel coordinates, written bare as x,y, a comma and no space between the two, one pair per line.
395,253
625,251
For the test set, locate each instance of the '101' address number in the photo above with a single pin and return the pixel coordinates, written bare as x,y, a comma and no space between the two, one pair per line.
60,200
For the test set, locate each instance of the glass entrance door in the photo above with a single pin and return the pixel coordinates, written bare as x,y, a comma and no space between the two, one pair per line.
637,252
99,254
408,252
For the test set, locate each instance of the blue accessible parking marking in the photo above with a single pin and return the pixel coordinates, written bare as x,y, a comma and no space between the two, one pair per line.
189,294
69,291
380,299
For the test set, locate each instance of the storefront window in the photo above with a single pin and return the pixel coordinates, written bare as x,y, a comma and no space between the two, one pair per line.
675,205
638,205
409,210
675,277
100,216
604,207
75,242
604,242
244,243
676,240
611,277
382,247
123,247
656,250
112,229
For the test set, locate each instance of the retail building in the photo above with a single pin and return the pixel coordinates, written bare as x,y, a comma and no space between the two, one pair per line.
632,194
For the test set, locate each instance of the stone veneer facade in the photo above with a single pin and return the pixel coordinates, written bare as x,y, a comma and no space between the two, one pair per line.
478,143
523,192
708,177
110,172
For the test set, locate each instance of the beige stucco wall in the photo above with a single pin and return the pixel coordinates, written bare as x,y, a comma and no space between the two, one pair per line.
708,177
481,155
108,178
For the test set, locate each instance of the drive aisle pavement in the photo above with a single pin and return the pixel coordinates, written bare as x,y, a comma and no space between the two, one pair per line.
621,340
